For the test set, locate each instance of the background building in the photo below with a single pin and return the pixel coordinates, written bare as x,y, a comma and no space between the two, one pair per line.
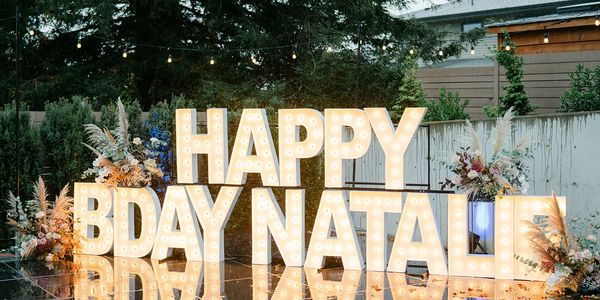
573,36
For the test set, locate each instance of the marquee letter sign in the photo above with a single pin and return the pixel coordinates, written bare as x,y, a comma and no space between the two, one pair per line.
191,220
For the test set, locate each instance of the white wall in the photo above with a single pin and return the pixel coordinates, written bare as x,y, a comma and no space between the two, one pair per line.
566,160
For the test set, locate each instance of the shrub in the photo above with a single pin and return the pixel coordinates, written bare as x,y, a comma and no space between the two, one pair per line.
515,96
62,135
584,92
449,107
29,154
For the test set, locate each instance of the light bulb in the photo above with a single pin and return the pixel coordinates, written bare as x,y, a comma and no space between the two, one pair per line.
546,40
124,54
597,22
31,32
79,45
329,49
472,50
254,61
294,55
170,59
212,61
411,51
384,47
507,47
441,53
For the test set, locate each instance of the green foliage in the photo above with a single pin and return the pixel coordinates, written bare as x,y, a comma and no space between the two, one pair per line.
449,107
28,153
348,76
108,117
62,135
584,92
411,92
515,95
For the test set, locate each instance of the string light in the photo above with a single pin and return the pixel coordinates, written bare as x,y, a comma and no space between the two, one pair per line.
170,59
507,47
472,50
411,51
546,39
329,49
294,56
441,52
124,53
384,47
79,44
254,60
31,32
597,22
212,61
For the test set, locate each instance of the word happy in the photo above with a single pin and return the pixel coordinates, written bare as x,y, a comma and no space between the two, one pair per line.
190,219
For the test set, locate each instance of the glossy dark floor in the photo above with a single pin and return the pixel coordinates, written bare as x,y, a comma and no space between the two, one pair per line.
99,277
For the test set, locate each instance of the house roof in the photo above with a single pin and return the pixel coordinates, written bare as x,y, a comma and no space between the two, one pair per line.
482,7
547,18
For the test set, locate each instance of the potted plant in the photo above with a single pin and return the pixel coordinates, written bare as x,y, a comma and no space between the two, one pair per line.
482,179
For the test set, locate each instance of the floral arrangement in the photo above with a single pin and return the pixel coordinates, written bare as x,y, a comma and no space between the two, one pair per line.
160,151
573,261
45,230
121,161
504,173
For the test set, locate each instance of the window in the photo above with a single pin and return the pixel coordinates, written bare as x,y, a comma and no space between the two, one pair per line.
469,26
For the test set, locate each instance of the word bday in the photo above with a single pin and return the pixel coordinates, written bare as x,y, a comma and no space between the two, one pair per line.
191,220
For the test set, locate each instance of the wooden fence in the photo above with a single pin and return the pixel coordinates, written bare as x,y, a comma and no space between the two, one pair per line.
546,79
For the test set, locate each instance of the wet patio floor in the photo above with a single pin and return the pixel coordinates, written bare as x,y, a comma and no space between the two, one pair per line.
104,277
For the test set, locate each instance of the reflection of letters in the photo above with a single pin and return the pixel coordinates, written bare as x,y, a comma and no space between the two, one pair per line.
321,288
191,280
95,277
433,288
171,276
125,283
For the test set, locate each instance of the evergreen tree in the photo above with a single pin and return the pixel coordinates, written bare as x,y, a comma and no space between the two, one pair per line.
515,96
411,93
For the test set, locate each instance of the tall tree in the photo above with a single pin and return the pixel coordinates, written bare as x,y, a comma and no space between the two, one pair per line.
339,46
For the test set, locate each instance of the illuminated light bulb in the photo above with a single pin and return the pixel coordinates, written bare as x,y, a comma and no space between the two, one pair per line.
124,54
329,49
597,21
411,51
212,61
294,56
254,61
170,59
384,47
546,39
78,44
472,50
441,52
507,47
31,32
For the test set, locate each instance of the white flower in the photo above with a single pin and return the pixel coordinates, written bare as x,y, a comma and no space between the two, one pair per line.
472,174
154,140
96,162
137,141
134,162
49,257
591,237
456,180
40,215
586,254
455,159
